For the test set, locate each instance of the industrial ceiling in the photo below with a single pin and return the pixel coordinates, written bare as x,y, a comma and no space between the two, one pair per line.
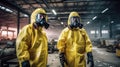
90,11
87,9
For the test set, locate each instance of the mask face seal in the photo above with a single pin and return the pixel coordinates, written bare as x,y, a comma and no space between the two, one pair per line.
41,21
75,22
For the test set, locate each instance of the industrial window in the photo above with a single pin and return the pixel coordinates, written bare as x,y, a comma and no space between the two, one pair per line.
92,31
104,31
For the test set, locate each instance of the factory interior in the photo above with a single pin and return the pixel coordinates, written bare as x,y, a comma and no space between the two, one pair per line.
100,19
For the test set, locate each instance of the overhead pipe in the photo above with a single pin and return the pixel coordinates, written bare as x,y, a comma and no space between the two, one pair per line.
14,6
18,22
45,2
26,1
39,3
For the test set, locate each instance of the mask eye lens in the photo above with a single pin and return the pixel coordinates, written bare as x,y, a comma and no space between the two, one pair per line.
43,15
75,19
40,16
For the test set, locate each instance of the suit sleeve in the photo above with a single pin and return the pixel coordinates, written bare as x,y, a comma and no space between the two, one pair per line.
23,44
61,42
88,42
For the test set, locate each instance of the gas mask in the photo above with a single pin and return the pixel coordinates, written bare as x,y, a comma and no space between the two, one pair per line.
41,20
75,22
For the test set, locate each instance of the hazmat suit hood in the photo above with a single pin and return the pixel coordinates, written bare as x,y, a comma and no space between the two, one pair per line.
35,12
71,15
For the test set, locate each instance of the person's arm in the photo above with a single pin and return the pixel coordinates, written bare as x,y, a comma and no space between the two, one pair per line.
88,42
22,46
61,47
89,50
61,42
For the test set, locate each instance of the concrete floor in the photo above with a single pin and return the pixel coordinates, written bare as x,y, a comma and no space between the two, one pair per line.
105,59
101,59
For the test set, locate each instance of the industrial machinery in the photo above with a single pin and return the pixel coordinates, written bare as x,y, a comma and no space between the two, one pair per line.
110,45
52,46
118,46
100,43
7,52
7,48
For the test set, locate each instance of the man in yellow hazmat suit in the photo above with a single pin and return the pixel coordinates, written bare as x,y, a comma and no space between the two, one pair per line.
31,43
74,43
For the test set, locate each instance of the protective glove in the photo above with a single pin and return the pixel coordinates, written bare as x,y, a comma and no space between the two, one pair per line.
26,64
90,59
62,59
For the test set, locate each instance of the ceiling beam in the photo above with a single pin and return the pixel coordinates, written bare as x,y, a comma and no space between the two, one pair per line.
83,1
29,4
38,3
81,14
45,2
69,1
13,5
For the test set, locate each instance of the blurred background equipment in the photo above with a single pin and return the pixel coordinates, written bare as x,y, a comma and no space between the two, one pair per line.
7,52
52,46
117,43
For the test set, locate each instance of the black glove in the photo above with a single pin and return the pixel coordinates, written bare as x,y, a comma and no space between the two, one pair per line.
26,64
62,59
90,59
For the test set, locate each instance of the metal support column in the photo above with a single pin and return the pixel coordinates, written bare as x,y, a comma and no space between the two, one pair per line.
110,30
100,29
95,35
110,27
18,22
29,19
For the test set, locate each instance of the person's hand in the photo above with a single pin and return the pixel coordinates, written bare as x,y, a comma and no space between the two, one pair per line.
26,64
90,59
62,59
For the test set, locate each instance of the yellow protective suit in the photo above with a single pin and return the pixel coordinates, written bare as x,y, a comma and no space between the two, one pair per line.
118,52
32,43
75,44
